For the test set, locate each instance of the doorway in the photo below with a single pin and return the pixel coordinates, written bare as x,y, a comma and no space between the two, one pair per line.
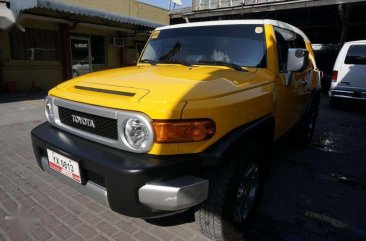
81,58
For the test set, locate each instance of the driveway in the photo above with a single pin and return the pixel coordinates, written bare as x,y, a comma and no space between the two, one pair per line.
314,194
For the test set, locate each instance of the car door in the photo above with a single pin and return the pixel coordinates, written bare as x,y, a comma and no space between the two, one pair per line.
293,87
80,55
304,80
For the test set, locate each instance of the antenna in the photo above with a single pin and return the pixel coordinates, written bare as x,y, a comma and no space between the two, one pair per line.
175,3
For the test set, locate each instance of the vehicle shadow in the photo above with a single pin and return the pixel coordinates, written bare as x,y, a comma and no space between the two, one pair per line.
177,219
357,106
312,194
318,193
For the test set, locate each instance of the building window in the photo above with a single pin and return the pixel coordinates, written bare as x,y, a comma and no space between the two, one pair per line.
98,49
34,44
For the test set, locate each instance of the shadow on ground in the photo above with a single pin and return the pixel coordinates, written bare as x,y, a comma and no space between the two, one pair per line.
318,193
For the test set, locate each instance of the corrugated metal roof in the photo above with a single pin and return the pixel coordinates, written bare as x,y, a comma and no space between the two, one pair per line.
20,5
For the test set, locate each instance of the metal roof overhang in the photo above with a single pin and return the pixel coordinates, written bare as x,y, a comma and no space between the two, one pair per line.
75,13
262,7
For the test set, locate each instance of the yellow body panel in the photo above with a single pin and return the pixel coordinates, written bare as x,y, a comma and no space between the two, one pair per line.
169,91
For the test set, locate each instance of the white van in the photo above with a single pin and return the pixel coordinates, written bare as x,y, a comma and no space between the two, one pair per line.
349,73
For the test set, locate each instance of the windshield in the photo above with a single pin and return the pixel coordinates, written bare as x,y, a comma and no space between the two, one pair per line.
240,45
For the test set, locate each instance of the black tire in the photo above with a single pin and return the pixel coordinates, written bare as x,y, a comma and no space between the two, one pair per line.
230,190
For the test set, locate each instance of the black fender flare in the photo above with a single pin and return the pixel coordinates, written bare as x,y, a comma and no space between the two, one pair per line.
261,130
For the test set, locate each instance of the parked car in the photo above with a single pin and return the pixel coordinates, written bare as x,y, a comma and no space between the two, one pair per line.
191,126
80,68
349,73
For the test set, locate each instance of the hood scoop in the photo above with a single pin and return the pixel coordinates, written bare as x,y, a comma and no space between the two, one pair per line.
105,91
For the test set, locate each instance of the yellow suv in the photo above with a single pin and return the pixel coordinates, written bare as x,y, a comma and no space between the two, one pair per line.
191,125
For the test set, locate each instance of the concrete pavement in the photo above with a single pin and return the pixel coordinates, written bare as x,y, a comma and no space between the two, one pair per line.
315,194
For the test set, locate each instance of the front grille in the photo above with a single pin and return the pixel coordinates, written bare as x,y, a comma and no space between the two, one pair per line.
100,126
94,177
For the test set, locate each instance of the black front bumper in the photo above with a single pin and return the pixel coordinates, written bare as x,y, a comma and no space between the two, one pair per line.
121,173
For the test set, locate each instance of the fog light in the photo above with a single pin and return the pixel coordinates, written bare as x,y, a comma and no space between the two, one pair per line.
48,109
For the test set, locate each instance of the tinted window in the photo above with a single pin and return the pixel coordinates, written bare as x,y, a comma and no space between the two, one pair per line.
299,42
79,50
34,44
239,44
356,55
282,51
287,39
293,39
98,49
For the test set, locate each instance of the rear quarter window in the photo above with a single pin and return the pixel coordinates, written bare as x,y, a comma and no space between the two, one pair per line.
356,55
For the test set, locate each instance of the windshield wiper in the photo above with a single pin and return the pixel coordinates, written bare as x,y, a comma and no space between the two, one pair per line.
222,63
149,61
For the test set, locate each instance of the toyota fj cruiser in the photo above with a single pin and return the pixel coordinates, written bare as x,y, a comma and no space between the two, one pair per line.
192,125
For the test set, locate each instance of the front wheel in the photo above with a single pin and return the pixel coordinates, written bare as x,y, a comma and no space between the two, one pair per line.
234,193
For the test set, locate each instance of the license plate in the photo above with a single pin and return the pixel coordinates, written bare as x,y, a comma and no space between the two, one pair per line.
64,165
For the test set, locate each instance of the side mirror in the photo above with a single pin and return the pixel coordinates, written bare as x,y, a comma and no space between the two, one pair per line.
297,60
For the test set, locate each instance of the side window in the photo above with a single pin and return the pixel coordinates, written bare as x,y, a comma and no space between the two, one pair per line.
299,42
286,39
282,50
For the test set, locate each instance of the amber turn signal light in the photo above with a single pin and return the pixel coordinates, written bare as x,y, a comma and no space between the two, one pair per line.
183,130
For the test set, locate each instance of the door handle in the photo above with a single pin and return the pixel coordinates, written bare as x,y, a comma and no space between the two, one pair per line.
303,83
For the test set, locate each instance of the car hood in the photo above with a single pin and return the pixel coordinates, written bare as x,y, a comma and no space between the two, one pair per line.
126,88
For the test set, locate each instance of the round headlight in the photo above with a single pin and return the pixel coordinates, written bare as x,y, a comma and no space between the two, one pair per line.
136,133
48,109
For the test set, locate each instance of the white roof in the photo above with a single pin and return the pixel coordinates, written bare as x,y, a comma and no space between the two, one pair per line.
236,22
356,42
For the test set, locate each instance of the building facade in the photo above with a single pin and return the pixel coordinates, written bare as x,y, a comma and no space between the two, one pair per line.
56,40
324,21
